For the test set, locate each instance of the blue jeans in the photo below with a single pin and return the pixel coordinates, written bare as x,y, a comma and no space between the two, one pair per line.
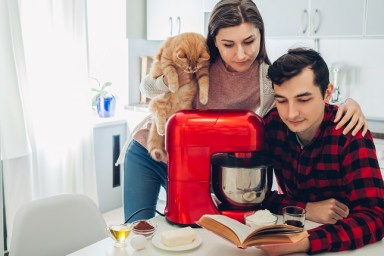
143,177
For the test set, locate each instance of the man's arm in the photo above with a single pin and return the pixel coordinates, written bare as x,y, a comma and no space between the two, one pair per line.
364,186
276,250
275,202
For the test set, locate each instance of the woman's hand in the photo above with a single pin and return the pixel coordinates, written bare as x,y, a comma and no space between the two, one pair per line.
326,212
184,77
351,112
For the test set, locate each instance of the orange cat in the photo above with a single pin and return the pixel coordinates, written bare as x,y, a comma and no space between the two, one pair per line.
187,51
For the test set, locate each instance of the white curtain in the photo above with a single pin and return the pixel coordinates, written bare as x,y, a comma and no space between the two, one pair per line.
52,77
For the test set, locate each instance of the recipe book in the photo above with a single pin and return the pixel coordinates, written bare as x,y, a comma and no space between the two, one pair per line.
244,236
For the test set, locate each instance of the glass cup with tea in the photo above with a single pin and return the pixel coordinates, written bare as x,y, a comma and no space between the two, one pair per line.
294,216
119,233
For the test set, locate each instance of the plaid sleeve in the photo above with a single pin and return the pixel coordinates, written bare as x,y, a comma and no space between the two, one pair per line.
364,184
276,202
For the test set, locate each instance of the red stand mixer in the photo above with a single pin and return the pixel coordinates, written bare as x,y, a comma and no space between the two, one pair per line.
215,164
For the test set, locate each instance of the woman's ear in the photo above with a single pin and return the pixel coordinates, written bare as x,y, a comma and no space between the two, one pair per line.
328,93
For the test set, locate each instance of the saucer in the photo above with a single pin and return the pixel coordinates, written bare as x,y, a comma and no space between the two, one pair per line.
157,243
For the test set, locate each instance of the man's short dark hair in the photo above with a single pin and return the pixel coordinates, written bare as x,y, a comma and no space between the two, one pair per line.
292,63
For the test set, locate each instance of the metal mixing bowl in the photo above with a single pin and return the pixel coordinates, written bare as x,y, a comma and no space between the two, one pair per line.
240,182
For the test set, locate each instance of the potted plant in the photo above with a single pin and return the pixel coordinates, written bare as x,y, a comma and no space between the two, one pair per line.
104,100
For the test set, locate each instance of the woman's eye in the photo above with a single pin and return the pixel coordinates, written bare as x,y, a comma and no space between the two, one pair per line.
228,45
249,42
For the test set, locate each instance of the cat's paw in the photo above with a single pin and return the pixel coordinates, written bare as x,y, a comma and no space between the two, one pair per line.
173,87
157,154
203,99
160,130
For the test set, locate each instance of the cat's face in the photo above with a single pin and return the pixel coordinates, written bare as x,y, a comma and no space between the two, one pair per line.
192,56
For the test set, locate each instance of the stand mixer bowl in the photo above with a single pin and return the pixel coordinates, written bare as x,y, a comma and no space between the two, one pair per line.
239,181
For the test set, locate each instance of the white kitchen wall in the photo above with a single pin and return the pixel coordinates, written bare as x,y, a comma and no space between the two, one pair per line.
361,62
108,52
2,235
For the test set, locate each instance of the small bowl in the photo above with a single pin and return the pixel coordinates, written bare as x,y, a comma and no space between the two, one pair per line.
148,233
255,224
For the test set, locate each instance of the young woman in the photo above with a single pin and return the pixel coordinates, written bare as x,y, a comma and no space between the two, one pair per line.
238,80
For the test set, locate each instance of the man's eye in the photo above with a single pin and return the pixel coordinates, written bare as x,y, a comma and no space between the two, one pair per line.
303,100
280,101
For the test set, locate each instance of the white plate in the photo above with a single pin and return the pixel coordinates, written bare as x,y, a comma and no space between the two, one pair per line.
157,243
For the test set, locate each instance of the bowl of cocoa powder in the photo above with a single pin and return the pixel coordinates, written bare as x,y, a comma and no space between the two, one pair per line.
144,227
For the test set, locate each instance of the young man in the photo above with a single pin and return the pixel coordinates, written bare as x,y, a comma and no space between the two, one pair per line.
335,177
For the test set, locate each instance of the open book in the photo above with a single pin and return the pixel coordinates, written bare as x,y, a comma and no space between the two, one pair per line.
243,236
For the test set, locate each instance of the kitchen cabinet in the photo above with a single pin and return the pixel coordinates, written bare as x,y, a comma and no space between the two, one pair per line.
337,18
285,18
108,137
313,18
171,17
375,18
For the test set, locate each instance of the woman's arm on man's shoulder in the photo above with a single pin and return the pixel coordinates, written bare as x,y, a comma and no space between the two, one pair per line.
350,111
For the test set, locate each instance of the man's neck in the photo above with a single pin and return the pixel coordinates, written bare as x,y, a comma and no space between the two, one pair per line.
305,137
303,140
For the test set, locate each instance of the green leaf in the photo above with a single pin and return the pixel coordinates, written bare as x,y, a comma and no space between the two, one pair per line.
105,85
101,91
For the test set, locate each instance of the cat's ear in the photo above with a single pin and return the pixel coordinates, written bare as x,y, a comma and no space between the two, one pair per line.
181,55
204,57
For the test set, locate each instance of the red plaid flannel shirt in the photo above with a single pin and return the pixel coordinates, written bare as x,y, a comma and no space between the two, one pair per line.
333,165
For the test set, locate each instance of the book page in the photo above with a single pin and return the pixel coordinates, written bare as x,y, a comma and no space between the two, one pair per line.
276,229
241,230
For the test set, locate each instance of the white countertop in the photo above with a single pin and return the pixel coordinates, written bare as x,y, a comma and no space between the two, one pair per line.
212,245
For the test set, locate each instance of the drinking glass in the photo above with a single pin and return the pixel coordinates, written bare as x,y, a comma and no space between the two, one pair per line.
294,216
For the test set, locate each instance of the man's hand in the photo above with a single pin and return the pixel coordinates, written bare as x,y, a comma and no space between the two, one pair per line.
184,78
326,212
284,249
351,111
